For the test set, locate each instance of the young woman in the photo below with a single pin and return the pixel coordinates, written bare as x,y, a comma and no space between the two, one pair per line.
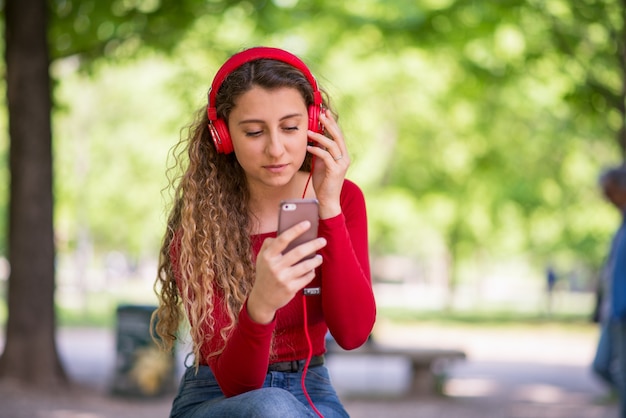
258,337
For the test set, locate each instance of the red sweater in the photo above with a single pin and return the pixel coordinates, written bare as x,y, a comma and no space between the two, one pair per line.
345,306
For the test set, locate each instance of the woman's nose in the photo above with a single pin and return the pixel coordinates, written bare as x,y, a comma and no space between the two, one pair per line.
275,146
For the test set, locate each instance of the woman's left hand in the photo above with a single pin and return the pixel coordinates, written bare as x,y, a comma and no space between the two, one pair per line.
331,165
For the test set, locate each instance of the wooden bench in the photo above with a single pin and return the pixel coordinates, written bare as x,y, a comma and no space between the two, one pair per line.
428,365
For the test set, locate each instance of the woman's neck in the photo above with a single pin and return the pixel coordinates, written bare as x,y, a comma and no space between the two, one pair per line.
264,202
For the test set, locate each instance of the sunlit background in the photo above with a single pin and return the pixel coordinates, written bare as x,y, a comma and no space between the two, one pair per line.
477,131
479,158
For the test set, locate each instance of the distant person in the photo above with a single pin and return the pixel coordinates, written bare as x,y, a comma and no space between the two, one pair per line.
610,359
551,279
259,312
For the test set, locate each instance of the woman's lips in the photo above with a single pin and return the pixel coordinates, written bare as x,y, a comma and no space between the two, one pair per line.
275,168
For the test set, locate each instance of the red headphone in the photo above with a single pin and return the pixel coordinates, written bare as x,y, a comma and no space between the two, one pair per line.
219,128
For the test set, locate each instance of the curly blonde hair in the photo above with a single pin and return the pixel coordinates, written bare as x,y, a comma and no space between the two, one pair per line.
209,225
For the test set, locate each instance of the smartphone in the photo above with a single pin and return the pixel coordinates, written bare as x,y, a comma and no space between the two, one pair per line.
294,211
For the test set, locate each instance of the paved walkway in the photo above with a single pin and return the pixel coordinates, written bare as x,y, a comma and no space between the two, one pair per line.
505,376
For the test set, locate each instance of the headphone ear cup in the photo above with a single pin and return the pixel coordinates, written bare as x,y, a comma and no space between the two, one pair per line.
314,119
221,137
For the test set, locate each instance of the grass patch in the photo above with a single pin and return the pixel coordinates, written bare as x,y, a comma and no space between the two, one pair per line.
87,318
482,318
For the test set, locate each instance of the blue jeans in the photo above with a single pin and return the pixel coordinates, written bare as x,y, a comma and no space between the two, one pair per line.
618,334
199,396
604,362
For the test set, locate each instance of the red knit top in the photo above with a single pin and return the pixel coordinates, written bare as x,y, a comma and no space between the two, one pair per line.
345,306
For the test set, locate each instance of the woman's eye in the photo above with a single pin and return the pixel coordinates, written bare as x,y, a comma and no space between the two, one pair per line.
254,133
291,128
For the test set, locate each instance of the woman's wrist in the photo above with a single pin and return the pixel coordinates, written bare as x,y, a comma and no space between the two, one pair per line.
258,314
329,211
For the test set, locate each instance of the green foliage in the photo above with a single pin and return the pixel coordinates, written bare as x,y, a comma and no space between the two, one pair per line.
92,29
493,140
112,150
4,175
475,127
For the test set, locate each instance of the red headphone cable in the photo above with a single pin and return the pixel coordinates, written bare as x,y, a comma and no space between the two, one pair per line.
308,180
308,358
306,321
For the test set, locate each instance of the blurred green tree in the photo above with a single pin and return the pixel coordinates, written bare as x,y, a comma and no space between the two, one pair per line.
484,124
36,33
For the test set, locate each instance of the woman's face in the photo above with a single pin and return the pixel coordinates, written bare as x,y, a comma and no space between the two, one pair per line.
269,133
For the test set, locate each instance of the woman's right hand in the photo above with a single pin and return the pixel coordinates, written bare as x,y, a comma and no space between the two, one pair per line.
280,276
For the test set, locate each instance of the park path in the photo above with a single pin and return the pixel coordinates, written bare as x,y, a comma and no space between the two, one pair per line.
534,374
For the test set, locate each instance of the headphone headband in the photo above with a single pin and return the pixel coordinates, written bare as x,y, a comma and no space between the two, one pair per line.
218,127
253,54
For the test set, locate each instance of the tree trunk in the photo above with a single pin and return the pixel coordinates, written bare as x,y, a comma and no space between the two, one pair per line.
30,354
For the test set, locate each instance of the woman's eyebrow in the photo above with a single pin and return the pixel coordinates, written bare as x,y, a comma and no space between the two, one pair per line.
289,116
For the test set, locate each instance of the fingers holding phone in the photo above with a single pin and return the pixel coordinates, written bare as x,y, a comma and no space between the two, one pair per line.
287,263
